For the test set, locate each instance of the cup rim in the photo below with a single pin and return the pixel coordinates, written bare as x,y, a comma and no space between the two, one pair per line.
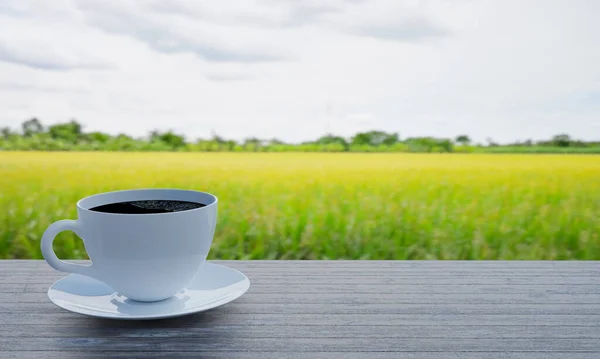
80,206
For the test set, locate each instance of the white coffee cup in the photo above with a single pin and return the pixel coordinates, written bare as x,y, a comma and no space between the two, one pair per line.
145,257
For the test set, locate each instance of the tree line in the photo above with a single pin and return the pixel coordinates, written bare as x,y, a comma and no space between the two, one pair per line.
70,136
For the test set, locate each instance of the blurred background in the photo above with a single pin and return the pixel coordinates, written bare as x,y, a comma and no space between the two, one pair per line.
363,129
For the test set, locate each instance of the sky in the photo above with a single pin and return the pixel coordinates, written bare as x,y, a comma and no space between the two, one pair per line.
295,70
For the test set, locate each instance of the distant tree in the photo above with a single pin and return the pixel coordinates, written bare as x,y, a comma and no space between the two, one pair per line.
275,141
374,138
330,139
205,145
360,139
463,139
578,143
445,145
69,132
421,144
562,140
429,144
123,137
218,140
230,145
70,136
31,127
154,136
169,138
122,142
216,137
334,147
6,132
391,139
252,143
99,137
491,142
173,140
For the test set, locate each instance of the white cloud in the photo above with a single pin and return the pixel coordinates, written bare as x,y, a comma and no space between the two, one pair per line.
29,43
296,69
406,21
170,34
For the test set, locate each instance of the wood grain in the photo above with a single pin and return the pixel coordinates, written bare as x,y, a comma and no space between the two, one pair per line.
298,355
324,309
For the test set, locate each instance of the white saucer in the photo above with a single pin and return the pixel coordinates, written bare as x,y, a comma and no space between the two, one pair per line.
215,285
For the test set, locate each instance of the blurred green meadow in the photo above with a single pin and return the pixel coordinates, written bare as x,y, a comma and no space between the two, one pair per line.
329,205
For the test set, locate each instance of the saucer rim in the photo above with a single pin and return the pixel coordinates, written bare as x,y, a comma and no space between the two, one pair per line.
199,309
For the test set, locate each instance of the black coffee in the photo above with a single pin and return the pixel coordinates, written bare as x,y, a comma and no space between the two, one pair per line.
147,207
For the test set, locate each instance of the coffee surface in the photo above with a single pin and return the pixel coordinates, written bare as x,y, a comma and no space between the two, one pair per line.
147,207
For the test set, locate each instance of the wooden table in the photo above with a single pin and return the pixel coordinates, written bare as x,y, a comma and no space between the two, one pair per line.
333,309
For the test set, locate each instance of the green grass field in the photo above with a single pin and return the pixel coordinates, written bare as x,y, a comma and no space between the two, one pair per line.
330,206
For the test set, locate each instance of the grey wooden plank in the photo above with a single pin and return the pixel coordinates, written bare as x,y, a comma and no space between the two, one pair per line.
300,355
368,308
543,296
222,316
371,272
417,263
377,280
417,287
482,309
365,265
338,263
306,345
326,268
341,276
169,329
47,272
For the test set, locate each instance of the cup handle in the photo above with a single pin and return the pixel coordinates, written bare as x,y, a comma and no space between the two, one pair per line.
51,232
